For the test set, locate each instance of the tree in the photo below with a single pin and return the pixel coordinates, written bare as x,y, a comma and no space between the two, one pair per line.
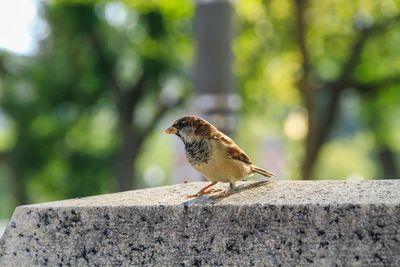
76,106
311,54
321,118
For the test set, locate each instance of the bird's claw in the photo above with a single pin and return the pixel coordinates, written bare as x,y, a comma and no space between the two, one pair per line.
224,194
199,194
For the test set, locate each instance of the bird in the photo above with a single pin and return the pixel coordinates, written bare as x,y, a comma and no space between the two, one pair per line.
213,154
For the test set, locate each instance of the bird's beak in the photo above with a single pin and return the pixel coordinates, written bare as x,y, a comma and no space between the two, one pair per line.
171,130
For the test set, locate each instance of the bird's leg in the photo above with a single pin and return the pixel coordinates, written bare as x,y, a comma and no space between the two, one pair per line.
227,192
204,191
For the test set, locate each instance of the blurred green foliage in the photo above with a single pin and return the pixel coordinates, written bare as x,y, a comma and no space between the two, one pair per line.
60,122
59,107
270,64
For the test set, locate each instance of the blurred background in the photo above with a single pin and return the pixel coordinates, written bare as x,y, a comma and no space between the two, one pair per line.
309,89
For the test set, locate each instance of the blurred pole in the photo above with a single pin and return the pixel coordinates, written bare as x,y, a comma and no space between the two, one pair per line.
217,99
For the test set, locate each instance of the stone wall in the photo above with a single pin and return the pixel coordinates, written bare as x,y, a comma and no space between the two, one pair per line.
287,223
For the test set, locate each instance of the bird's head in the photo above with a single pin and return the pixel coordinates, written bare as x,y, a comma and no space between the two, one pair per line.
191,128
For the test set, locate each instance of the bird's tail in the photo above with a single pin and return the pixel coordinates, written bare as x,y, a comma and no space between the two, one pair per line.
262,171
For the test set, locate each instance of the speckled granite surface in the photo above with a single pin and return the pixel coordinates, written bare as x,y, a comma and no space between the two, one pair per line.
287,223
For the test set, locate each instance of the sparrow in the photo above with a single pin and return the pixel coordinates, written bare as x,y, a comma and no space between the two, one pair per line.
213,154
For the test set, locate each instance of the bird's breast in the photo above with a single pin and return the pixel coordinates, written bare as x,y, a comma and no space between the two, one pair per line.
210,159
198,152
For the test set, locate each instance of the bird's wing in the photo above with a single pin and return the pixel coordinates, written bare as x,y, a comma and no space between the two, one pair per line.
233,151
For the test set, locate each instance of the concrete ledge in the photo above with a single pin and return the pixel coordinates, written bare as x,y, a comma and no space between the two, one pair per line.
285,223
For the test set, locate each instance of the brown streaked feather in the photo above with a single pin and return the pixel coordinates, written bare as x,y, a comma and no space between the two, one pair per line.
203,128
217,135
234,152
206,129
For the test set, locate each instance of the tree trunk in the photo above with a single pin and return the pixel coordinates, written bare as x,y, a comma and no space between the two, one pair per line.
307,91
127,151
18,186
124,161
387,158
